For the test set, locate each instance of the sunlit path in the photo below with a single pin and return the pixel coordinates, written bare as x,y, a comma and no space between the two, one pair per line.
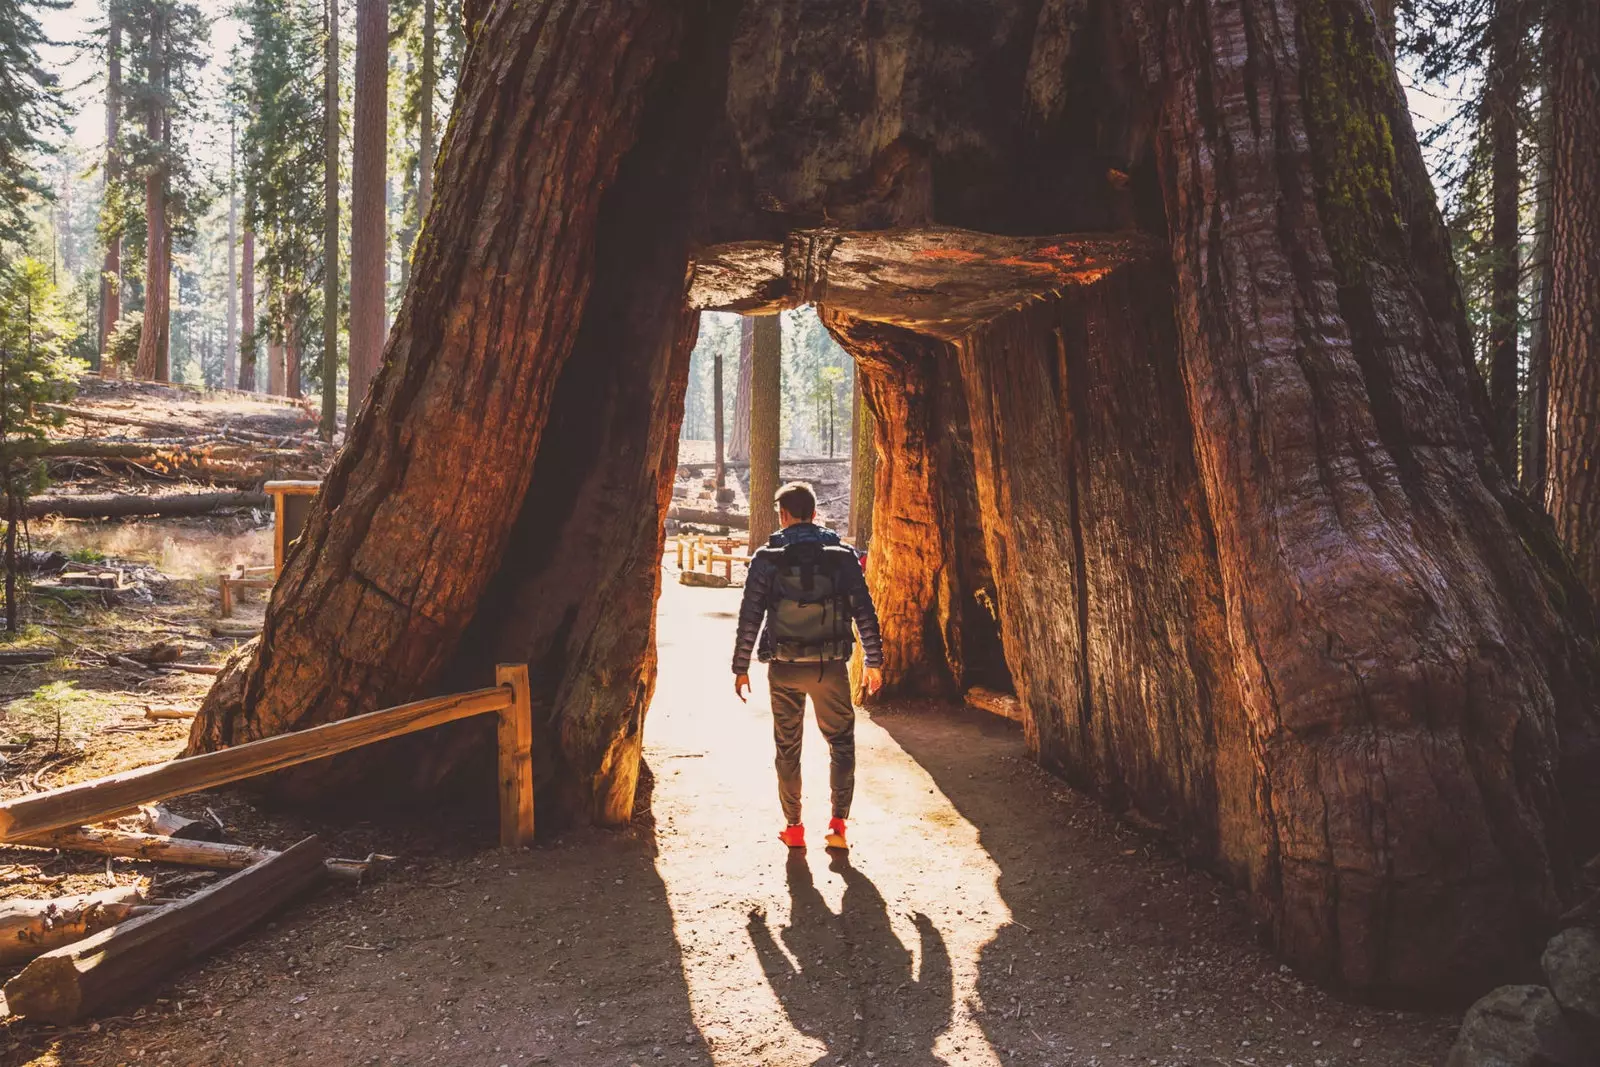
895,975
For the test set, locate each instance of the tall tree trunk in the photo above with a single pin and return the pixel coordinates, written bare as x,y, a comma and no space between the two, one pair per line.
428,77
330,223
1536,395
230,351
13,520
152,359
863,466
1504,92
291,350
368,240
739,440
247,312
721,474
1574,308
111,268
766,411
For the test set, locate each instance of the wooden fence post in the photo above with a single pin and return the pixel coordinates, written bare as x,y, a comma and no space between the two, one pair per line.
516,757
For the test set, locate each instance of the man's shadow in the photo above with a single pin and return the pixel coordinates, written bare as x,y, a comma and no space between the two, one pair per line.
851,984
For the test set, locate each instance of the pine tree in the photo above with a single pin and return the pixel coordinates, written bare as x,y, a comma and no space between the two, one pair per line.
368,219
330,220
30,111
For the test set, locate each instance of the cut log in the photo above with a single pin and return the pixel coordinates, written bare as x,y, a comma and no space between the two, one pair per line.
159,820
731,520
214,855
127,505
92,801
70,983
1004,705
169,713
31,927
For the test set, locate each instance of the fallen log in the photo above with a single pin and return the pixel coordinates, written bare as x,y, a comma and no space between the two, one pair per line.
117,418
186,852
169,713
23,657
29,928
126,505
193,668
72,982
732,520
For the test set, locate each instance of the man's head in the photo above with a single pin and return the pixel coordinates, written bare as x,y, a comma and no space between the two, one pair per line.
797,502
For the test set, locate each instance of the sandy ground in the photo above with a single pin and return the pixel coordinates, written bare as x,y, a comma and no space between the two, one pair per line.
987,915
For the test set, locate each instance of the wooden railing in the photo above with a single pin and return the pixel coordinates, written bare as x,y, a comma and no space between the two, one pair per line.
105,798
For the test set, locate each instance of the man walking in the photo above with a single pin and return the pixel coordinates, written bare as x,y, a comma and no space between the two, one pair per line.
803,591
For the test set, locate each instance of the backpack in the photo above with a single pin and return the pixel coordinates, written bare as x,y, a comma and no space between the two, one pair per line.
810,616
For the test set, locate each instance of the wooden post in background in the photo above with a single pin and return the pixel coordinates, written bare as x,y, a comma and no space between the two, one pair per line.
516,757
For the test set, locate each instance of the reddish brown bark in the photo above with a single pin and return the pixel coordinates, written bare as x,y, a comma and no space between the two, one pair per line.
1574,299
111,268
403,540
151,362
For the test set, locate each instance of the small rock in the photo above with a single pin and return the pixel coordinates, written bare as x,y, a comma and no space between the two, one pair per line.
1571,965
1517,1026
700,578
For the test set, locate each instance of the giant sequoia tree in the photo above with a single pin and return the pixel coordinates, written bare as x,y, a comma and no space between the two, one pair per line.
1215,492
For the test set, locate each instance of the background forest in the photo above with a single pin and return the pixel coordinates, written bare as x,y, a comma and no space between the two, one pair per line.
209,126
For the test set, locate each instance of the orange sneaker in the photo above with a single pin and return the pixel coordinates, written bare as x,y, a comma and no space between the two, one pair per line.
793,836
835,838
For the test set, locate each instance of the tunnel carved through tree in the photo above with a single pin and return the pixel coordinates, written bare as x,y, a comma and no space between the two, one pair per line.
1210,487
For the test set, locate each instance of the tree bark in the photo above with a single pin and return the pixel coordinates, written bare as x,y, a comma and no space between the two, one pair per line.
863,467
153,339
739,441
1574,307
330,224
368,222
403,542
111,268
247,313
1503,98
291,351
766,407
720,474
29,928
1536,395
230,352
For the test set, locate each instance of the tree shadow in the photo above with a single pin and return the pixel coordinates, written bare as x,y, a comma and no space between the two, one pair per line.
846,979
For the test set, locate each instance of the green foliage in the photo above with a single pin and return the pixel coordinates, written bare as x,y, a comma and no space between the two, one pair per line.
283,155
87,554
122,348
34,366
30,110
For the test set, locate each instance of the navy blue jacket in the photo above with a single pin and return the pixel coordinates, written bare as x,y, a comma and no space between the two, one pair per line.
760,597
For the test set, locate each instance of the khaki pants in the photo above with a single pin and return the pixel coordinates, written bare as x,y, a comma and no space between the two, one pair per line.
828,686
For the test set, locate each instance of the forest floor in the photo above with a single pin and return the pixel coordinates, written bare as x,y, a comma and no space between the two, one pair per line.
987,915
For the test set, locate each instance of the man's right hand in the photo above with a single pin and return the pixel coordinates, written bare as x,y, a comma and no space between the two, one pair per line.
872,679
741,685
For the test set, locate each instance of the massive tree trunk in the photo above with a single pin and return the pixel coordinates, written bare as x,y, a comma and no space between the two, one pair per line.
739,439
368,237
766,407
111,268
402,542
247,311
1224,495
1536,393
1574,300
1503,100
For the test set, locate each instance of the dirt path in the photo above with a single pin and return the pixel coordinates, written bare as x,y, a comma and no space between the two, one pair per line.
988,916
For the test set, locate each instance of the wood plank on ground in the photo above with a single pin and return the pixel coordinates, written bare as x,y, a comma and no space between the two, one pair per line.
69,983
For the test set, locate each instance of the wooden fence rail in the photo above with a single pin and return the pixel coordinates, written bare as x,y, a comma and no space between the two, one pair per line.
104,798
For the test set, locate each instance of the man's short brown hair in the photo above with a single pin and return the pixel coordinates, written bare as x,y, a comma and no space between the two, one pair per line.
799,500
